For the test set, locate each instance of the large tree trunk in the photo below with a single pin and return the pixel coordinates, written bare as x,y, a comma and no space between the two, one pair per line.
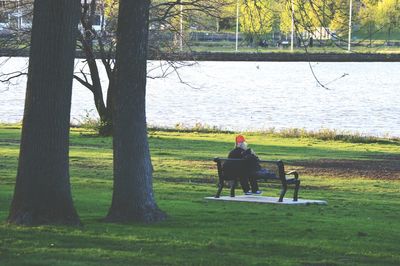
42,192
133,198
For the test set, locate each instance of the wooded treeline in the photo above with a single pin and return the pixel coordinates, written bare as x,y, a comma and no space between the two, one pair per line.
255,18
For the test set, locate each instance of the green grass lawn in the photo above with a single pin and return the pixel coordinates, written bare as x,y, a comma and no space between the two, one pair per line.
360,44
359,226
230,48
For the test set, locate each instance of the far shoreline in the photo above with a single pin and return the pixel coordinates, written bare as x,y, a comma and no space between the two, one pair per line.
284,132
248,56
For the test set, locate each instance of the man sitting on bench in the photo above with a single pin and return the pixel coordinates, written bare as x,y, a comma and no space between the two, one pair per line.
250,171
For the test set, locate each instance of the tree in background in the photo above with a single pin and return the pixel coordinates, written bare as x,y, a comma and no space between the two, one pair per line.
311,17
42,191
388,15
340,19
367,17
133,198
104,49
302,18
321,13
15,23
285,17
227,16
255,19
164,17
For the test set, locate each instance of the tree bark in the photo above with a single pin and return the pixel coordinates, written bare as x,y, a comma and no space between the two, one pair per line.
42,191
133,199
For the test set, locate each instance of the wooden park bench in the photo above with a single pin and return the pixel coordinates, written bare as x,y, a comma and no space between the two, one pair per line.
275,167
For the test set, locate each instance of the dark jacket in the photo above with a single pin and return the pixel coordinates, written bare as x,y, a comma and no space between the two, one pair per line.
252,161
236,153
240,169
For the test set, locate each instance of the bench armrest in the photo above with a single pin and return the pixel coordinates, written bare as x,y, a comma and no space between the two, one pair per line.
296,175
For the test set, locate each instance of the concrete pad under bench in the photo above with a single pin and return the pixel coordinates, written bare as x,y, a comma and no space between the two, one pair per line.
270,200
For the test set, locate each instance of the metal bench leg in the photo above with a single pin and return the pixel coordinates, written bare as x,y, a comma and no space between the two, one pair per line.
283,192
233,188
220,187
296,190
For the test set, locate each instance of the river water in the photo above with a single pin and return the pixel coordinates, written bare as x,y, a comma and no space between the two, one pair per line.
361,97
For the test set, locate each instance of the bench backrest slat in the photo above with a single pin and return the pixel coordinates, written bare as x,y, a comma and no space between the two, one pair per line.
275,166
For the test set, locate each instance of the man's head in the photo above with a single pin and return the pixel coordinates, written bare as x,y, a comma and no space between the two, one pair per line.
241,142
239,138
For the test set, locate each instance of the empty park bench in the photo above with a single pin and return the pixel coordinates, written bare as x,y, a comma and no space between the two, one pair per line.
275,167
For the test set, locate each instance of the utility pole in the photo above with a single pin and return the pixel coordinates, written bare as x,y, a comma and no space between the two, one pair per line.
102,6
237,24
181,29
19,19
350,13
292,35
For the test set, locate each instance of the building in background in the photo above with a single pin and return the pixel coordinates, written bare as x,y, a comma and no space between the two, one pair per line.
15,16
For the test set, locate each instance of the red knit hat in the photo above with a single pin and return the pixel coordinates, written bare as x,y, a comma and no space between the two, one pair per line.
240,139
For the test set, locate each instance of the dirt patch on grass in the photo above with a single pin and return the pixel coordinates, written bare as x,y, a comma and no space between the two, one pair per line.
381,167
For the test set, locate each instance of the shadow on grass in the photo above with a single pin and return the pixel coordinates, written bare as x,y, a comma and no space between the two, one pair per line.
311,160
179,159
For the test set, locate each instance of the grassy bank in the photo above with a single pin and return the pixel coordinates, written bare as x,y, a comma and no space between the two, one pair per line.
359,226
228,47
